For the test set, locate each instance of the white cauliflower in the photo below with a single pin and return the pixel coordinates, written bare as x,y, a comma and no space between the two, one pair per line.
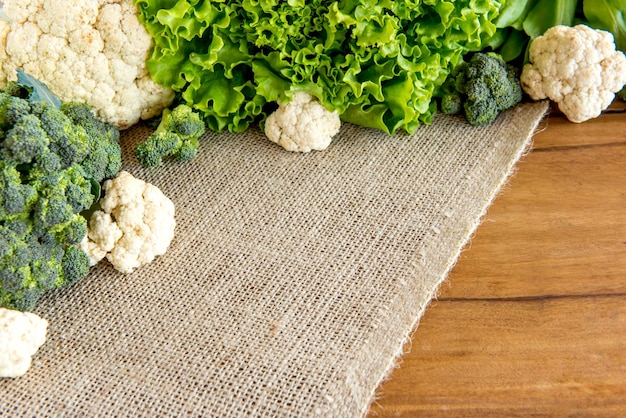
90,51
136,224
302,125
576,67
21,335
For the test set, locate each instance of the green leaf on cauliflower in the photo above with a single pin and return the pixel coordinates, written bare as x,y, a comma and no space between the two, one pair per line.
39,91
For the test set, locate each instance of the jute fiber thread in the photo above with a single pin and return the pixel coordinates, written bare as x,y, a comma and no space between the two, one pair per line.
291,284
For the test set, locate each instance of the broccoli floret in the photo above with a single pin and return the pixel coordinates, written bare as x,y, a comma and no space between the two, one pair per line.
150,152
16,198
75,265
76,188
13,88
105,157
67,139
480,112
61,195
71,232
12,109
177,136
26,139
51,167
451,104
33,261
481,88
51,210
48,163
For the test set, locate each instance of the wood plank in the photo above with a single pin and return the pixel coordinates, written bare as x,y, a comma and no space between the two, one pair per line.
557,132
542,357
559,227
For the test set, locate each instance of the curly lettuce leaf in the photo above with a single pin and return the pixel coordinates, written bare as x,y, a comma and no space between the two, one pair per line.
379,63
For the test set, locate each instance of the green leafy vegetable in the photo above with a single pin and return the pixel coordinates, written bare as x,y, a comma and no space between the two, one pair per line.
608,15
379,63
548,13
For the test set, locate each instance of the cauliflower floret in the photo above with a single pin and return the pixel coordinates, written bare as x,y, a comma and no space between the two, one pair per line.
136,224
102,235
21,335
5,28
576,67
91,51
302,125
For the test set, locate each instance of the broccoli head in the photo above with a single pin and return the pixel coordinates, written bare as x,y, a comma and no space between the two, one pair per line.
53,157
481,88
177,135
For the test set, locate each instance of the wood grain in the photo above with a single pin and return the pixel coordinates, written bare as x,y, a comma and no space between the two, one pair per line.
532,319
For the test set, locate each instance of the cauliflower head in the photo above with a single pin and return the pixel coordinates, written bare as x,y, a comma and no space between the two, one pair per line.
302,125
90,51
576,67
21,335
136,224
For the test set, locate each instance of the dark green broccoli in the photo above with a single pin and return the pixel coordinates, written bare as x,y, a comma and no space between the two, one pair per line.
105,157
33,261
26,139
15,198
177,135
481,88
67,140
71,232
53,158
12,108
75,265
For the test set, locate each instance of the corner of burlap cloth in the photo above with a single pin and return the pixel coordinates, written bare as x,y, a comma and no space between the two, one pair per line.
291,285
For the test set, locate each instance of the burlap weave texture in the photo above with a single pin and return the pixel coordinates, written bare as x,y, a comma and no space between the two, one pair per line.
291,285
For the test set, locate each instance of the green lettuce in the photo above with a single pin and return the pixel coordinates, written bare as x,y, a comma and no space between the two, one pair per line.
379,63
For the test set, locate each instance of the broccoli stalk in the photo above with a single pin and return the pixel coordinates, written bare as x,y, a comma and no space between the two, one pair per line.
481,88
51,155
176,135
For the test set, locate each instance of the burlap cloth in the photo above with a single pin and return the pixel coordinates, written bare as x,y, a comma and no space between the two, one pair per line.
291,285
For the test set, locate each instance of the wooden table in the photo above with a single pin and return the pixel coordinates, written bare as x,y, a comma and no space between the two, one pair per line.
532,319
